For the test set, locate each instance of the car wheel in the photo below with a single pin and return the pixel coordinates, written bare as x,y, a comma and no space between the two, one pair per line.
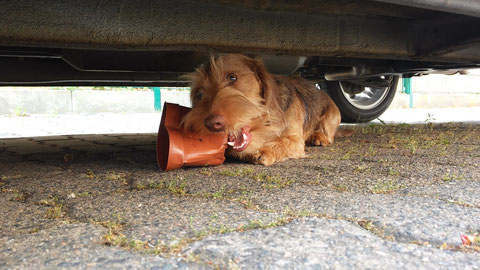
359,103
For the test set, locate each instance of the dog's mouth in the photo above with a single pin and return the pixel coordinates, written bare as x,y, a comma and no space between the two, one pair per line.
239,141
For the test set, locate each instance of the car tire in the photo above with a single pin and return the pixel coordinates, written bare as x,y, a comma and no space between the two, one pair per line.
362,107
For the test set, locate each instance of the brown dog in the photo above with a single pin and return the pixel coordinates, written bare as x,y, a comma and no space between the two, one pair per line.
267,118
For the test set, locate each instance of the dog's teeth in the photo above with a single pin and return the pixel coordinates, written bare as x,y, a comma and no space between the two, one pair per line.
244,142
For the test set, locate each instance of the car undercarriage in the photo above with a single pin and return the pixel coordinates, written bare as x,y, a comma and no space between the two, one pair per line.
362,44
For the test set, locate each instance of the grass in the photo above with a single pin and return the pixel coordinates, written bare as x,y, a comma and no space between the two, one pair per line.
176,188
221,194
120,240
268,181
116,176
373,129
451,177
386,187
155,185
19,111
140,186
20,195
55,212
470,148
346,156
205,171
116,237
246,201
429,118
471,244
176,245
371,227
287,212
34,230
56,208
272,181
361,168
259,224
90,174
393,172
425,138
371,152
341,187
240,172
412,145
83,194
150,185
11,177
461,203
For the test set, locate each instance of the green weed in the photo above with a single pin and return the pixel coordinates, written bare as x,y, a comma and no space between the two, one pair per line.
386,187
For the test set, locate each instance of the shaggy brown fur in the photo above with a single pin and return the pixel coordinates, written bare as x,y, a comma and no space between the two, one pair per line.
268,118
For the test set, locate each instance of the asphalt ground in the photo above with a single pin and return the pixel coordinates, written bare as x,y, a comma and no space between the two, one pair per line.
391,196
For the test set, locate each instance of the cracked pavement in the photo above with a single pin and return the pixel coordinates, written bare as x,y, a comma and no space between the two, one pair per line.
389,196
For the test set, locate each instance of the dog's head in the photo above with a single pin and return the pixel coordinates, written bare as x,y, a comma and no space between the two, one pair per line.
233,94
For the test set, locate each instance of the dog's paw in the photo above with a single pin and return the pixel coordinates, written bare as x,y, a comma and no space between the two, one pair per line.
265,158
319,139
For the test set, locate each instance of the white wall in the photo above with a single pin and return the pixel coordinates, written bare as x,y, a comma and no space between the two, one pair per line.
447,84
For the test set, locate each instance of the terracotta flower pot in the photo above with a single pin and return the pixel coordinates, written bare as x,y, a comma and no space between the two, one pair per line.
177,147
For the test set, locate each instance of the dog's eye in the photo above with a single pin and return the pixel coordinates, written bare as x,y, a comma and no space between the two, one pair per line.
198,95
231,77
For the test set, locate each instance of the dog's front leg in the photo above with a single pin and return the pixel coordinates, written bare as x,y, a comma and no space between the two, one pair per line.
281,149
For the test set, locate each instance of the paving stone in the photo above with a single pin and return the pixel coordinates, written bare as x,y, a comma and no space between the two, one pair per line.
30,147
77,246
407,218
160,218
73,142
51,138
14,142
430,194
458,192
315,243
19,217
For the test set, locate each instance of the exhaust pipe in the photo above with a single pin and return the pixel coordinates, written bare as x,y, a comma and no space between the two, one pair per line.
344,73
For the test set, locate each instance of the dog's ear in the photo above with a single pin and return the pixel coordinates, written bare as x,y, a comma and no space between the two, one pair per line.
206,73
191,79
269,89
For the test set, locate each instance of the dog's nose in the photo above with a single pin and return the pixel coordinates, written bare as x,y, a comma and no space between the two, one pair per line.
215,123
